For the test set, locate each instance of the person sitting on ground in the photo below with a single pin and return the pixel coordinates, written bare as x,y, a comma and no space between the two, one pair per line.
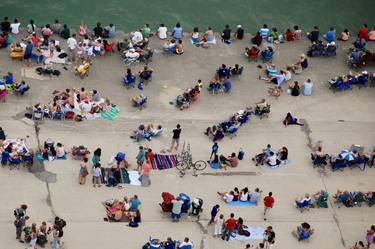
239,32
313,36
162,32
231,161
363,32
272,160
138,99
307,87
294,89
227,197
274,36
65,32
264,31
132,55
98,30
252,52
110,31
255,196
244,195
60,151
330,35
223,71
344,36
283,154
344,198
304,231
288,35
257,39
277,79
226,34
195,37
300,65
137,39
21,88
290,120
227,85
179,48
297,34
169,45
215,163
208,36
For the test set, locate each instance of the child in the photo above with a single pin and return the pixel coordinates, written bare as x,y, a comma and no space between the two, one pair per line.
218,226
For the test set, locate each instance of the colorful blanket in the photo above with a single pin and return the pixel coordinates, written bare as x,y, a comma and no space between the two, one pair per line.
111,114
18,143
164,161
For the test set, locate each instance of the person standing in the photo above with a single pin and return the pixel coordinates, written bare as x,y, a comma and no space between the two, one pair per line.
269,237
97,174
214,211
141,156
33,236
219,222
229,226
28,52
20,223
370,235
214,150
145,177
176,209
72,45
268,204
176,137
15,27
83,172
56,237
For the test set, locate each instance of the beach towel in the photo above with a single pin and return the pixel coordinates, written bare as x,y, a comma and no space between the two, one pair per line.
280,165
241,203
134,176
18,143
256,233
164,161
111,114
40,157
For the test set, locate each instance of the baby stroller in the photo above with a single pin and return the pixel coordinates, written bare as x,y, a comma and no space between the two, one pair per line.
262,111
167,205
196,206
79,152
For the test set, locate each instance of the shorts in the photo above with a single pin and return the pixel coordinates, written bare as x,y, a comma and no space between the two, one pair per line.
175,216
274,80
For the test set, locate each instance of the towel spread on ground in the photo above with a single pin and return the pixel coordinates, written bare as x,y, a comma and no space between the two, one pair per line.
241,203
287,162
111,114
18,144
40,157
164,161
134,178
256,233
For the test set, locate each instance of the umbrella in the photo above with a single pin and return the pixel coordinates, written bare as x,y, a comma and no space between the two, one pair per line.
347,155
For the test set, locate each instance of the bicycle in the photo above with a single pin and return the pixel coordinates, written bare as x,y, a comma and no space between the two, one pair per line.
185,162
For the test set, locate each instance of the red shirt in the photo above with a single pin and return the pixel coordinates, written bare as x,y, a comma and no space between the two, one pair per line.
363,31
231,223
150,156
268,201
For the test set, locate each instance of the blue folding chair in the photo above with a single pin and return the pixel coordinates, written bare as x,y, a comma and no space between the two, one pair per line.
129,81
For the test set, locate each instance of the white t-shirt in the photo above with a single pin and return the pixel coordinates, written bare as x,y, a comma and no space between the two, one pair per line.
162,32
15,28
60,151
132,55
272,160
244,197
228,197
137,37
72,43
97,172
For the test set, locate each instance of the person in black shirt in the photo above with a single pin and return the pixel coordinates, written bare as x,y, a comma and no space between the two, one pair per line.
98,30
240,32
314,35
5,25
269,236
176,137
225,36
2,134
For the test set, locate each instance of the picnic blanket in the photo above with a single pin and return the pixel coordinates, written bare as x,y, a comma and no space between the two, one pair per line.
280,165
256,233
111,114
18,143
134,176
164,161
40,157
241,203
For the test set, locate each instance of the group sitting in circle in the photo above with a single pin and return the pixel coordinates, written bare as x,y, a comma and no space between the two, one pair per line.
189,96
271,157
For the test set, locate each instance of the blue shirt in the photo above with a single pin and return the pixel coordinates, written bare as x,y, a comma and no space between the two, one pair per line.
29,49
227,84
330,36
214,211
307,88
177,33
134,204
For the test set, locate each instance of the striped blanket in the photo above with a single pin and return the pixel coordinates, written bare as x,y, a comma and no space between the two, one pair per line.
164,161
111,114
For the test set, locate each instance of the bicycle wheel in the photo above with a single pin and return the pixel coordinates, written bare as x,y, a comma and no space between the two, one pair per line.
200,165
182,165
